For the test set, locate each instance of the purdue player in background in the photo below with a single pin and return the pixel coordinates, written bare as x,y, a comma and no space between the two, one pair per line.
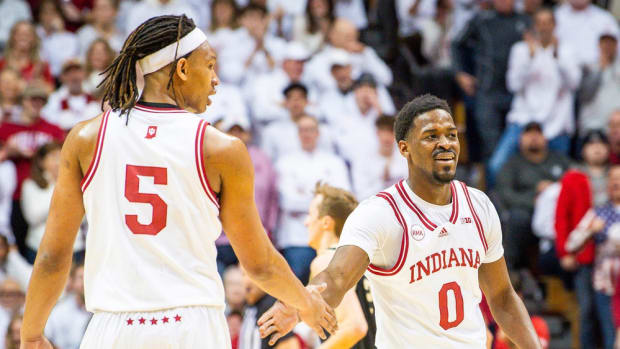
328,211
430,245
157,184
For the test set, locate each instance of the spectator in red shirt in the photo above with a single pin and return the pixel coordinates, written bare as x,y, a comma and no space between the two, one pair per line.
614,137
21,139
22,54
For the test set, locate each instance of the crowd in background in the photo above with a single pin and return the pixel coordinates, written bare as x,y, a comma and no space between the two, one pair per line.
312,87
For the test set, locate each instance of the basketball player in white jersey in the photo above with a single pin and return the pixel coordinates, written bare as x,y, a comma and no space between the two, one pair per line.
155,181
429,245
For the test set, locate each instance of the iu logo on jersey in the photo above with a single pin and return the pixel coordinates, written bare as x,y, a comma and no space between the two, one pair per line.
417,233
151,132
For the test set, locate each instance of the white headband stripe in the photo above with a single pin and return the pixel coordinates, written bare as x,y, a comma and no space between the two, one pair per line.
166,55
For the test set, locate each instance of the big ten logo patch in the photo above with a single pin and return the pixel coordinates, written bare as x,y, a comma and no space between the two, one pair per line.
465,220
151,132
417,233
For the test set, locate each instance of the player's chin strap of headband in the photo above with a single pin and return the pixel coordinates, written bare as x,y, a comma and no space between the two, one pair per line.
168,54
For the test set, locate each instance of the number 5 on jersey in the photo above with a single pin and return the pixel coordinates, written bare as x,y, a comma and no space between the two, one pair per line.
132,193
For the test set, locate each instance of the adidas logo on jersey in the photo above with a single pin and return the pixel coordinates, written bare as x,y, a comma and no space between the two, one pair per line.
443,232
151,132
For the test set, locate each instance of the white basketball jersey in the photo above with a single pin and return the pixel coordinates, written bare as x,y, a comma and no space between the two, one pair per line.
430,297
152,216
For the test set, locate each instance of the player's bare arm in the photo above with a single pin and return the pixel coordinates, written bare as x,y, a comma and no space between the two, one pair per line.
343,272
230,172
53,262
506,306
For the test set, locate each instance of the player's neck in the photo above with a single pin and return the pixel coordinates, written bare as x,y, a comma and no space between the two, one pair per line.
328,240
156,91
431,192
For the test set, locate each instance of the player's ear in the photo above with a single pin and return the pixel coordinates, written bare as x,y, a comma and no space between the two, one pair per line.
403,148
327,223
182,69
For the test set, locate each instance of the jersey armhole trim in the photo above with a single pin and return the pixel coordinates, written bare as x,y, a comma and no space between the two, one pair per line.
404,245
200,162
483,238
414,208
455,204
94,163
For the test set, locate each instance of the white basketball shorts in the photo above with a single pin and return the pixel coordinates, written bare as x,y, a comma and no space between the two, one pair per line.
178,328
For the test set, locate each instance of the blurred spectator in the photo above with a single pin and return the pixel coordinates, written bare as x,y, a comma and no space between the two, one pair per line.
145,9
57,44
266,97
297,174
13,11
542,74
281,137
601,224
103,26
234,320
381,33
411,15
22,54
66,105
69,318
98,57
312,27
353,11
581,24
355,126
255,51
12,265
223,27
489,37
435,45
13,338
599,94
234,287
7,188
11,86
521,179
258,302
614,137
377,170
344,35
12,300
265,190
37,194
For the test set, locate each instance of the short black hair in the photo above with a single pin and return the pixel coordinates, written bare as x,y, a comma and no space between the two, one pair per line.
295,86
254,8
415,107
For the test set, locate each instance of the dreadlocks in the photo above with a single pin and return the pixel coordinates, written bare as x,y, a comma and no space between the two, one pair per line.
120,87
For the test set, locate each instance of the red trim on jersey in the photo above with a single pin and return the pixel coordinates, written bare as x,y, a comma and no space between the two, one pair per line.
404,245
94,163
200,165
483,238
159,109
403,193
162,111
455,203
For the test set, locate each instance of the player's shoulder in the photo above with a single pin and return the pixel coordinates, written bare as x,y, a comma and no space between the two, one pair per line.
377,209
478,197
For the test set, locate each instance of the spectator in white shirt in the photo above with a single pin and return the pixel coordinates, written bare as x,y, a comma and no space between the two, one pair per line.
11,86
379,169
69,318
57,44
223,27
599,93
146,9
255,51
312,27
543,75
280,137
103,26
12,265
12,12
411,13
352,10
298,173
66,105
581,24
265,93
98,57
7,188
37,194
364,59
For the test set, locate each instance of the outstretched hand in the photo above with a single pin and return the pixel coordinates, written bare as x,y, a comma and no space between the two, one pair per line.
280,319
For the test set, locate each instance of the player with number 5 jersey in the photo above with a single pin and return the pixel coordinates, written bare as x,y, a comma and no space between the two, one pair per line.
157,185
430,247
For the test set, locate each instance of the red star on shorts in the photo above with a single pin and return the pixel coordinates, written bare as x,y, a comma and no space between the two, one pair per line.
141,320
177,318
153,321
129,322
165,320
